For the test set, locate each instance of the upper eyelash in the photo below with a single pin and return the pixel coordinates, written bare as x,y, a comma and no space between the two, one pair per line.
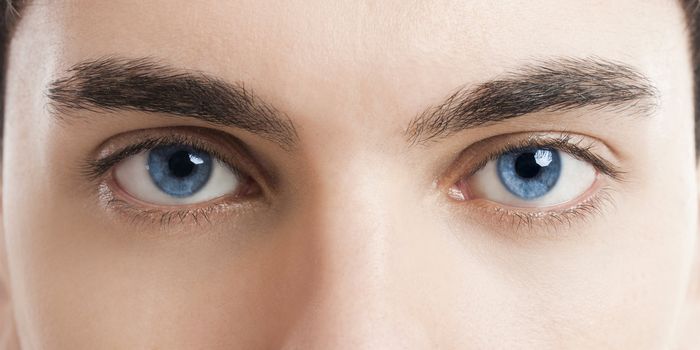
560,143
94,169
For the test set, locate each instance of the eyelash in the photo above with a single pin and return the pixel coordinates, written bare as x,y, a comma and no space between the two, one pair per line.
551,220
562,142
163,217
99,170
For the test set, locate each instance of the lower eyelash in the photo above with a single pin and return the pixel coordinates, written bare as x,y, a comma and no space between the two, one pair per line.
519,223
166,217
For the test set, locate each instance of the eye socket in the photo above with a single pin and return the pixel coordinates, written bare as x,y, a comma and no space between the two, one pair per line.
176,174
531,177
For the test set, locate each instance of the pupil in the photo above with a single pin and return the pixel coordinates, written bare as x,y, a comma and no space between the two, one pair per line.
526,165
180,164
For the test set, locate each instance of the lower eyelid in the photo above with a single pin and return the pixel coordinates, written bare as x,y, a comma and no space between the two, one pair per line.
131,210
518,220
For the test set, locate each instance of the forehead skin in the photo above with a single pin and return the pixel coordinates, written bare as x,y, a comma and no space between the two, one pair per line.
368,267
368,58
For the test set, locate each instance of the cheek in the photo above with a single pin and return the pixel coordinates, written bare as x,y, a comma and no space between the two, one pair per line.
618,283
615,280
81,284
632,268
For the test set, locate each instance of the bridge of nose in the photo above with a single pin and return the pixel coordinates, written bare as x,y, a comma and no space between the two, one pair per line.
367,241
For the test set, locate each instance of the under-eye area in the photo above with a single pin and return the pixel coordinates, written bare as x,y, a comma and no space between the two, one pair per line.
527,179
176,175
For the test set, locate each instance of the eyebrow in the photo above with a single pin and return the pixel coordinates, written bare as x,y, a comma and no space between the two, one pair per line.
554,85
111,84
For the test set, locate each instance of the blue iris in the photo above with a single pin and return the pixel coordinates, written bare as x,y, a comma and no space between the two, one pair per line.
529,173
179,170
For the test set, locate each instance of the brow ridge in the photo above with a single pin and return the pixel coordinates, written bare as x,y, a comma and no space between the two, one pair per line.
112,83
553,85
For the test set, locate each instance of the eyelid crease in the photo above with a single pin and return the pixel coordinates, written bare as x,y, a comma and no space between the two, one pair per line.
229,149
93,169
562,142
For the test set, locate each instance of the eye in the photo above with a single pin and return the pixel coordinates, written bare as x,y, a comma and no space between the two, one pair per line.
175,175
531,177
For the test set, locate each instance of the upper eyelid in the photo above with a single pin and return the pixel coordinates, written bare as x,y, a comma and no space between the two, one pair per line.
472,158
222,145
96,168
582,153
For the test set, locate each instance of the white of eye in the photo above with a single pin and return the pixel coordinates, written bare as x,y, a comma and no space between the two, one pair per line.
575,178
133,176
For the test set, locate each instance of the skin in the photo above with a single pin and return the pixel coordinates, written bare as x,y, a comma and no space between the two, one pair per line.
358,245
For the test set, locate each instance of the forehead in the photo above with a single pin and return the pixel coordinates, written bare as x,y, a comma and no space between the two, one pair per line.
368,58
360,34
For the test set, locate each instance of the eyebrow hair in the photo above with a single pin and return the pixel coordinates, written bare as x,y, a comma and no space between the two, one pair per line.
143,84
554,85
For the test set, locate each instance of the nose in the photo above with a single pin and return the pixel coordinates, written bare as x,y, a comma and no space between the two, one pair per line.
361,291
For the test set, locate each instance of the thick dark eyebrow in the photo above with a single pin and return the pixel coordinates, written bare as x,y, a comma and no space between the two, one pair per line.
554,85
111,84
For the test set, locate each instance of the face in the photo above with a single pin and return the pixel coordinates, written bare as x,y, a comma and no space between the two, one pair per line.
315,174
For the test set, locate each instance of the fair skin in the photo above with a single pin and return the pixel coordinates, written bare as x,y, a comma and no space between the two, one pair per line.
355,237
